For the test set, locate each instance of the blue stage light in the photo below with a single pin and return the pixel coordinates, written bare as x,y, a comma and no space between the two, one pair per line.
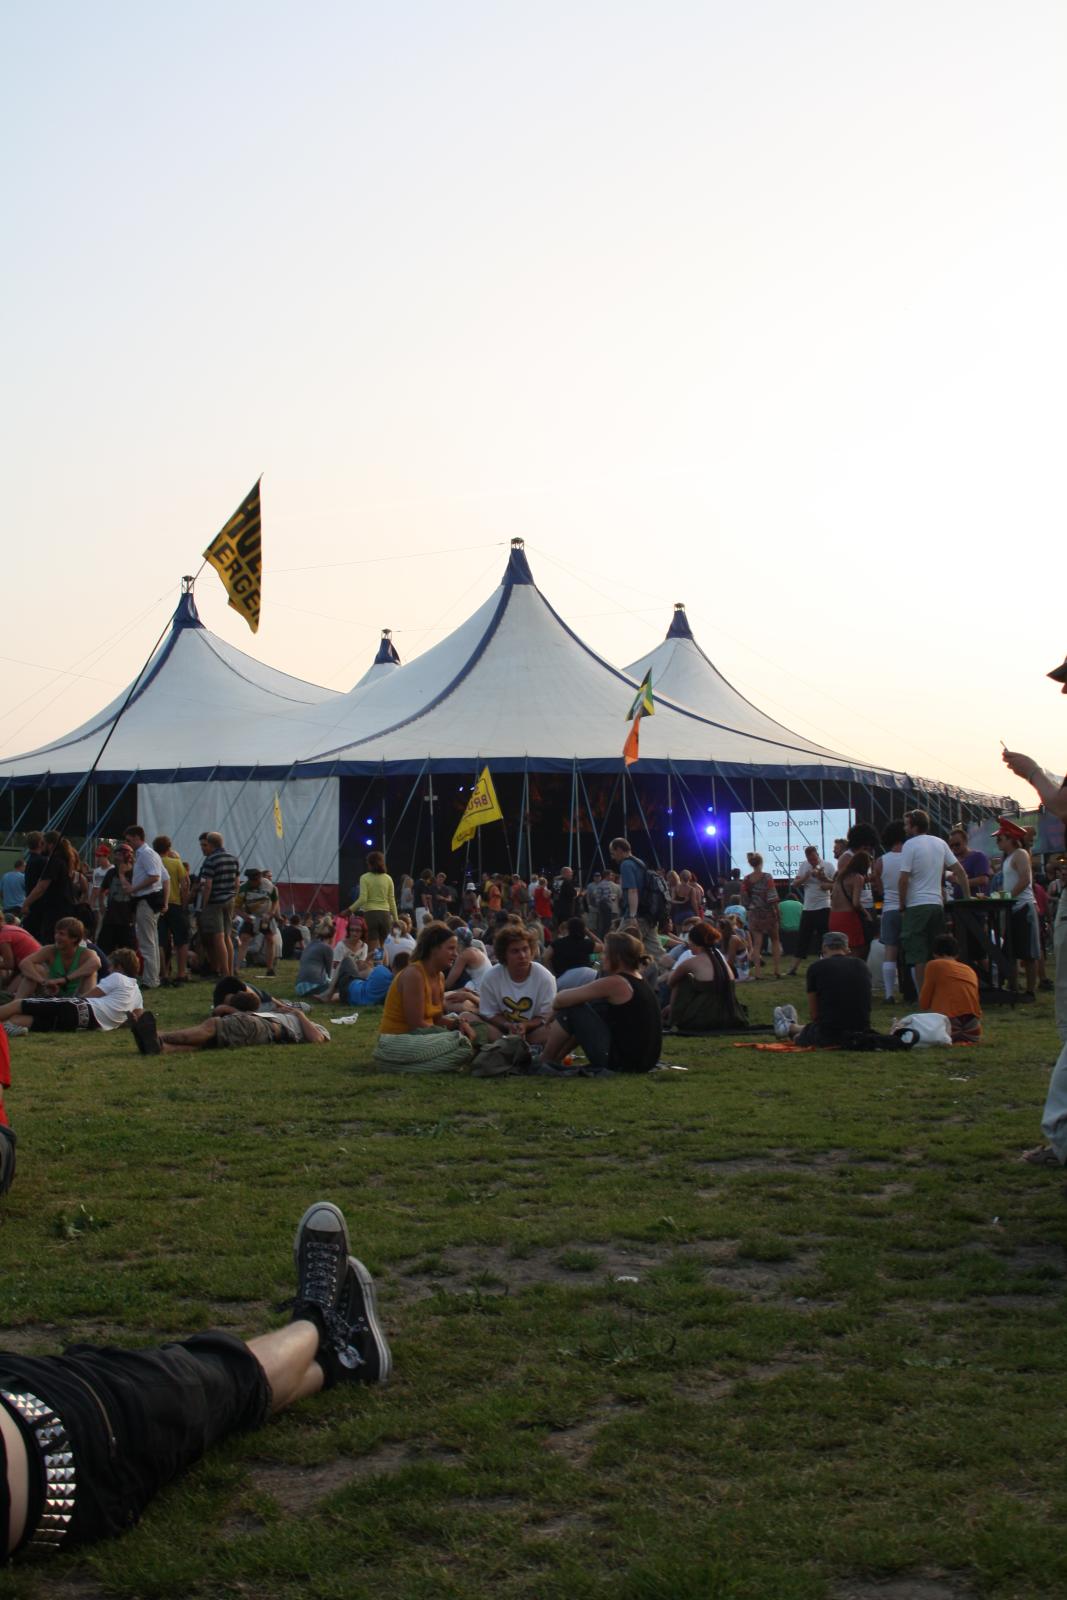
368,841
710,830
369,821
670,833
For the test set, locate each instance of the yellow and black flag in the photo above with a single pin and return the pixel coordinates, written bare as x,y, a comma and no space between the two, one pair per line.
236,554
483,806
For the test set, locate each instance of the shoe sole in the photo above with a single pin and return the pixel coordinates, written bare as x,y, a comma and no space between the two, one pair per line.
146,1034
319,1205
370,1311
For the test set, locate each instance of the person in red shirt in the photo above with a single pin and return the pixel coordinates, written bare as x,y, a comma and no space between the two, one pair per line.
542,904
15,945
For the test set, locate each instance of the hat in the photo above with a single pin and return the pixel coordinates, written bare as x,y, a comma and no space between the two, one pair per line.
103,850
1008,829
1059,675
835,940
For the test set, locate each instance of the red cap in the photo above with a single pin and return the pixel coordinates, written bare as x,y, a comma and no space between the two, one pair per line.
1008,829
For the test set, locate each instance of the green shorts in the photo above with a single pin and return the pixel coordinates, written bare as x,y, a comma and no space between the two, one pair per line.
920,926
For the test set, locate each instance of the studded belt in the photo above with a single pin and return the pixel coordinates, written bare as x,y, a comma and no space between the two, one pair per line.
60,1477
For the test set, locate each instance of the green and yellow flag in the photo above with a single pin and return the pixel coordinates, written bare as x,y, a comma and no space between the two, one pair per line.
236,554
643,705
483,806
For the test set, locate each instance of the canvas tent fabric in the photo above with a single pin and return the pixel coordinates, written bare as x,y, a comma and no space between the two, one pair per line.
683,673
244,813
386,661
516,687
201,707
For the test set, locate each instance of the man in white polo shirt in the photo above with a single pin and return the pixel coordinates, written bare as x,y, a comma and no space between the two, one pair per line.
924,861
148,891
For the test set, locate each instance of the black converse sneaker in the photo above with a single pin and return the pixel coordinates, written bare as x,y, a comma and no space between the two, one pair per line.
320,1251
359,1309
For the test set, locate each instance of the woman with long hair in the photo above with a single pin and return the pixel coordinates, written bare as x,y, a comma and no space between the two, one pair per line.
703,998
376,898
759,896
615,1019
52,896
845,898
417,1034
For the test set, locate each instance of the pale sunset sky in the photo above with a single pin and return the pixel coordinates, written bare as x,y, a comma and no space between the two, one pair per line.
759,307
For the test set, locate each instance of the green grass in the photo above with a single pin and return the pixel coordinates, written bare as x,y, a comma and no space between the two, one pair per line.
840,1363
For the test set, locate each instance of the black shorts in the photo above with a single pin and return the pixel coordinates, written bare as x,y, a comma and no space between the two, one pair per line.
136,1418
174,926
60,1016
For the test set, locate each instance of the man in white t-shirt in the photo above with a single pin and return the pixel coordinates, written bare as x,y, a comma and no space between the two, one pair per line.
924,861
813,879
149,891
516,996
115,998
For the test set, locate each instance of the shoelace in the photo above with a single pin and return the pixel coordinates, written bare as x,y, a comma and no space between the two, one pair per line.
320,1285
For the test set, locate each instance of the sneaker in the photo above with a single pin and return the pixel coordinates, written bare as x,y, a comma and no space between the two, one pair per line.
146,1034
320,1251
15,1030
784,1017
1042,1156
359,1309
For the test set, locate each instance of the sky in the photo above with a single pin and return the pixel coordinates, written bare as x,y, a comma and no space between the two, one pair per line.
756,307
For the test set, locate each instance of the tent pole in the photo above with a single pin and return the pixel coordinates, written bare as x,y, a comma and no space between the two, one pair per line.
433,829
265,813
698,833
592,824
570,835
644,822
281,876
526,802
15,825
670,813
788,835
101,820
403,814
340,842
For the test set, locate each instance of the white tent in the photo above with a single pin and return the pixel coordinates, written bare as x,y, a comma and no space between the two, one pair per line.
386,661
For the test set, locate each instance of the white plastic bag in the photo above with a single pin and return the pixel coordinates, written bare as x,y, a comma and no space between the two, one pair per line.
931,1026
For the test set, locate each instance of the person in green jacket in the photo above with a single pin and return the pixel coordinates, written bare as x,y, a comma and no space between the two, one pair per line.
377,899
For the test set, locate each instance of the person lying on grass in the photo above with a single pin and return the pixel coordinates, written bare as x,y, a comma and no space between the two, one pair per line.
106,1005
615,1018
61,970
88,1438
232,1025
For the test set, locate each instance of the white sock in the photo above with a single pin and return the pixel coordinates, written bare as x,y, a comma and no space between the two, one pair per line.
889,978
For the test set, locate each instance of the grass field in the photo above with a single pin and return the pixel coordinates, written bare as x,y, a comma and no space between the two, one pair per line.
783,1326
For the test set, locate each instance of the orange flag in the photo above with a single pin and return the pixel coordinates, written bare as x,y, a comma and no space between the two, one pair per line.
629,749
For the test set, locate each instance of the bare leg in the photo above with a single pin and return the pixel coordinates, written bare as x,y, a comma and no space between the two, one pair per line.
18,1479
287,1356
12,1010
181,953
221,955
558,1042
190,1038
776,952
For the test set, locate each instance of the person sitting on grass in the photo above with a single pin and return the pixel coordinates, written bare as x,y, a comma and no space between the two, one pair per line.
615,1018
516,997
315,973
91,1436
702,996
61,970
15,945
839,997
106,1005
231,1025
951,987
416,1034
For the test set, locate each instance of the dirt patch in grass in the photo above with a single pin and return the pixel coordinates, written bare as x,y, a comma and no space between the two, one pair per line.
915,1587
760,1280
709,1385
49,1338
297,1489
492,1269
577,1443
783,1159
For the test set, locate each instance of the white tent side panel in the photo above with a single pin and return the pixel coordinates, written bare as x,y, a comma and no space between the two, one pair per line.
244,814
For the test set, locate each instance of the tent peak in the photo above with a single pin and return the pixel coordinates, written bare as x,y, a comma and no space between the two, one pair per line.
518,567
679,628
185,613
387,653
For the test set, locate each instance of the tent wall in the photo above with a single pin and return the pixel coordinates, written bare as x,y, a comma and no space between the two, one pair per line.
244,814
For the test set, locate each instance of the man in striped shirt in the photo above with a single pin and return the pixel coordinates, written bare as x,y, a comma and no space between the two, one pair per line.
218,889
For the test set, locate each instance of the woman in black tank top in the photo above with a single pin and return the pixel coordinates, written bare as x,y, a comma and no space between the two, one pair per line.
615,1019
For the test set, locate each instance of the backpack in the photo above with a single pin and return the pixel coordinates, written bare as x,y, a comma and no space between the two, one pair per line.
653,898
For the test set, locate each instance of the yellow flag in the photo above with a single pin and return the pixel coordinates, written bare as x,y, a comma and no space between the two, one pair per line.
483,806
236,554
279,830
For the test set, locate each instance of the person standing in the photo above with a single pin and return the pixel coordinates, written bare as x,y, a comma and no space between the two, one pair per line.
813,879
1018,873
1054,1118
175,919
49,886
759,895
885,879
13,888
148,891
218,890
975,863
377,898
923,862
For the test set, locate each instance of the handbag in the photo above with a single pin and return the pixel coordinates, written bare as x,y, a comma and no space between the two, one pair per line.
931,1027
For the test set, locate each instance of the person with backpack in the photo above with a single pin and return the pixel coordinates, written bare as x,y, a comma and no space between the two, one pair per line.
645,898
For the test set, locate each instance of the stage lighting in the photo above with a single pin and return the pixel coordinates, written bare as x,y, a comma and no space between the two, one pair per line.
710,830
670,833
368,841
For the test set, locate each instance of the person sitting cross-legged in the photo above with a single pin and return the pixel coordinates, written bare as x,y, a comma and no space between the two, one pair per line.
839,997
90,1437
61,970
417,1034
615,1018
951,987
106,1005
515,998
231,1026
